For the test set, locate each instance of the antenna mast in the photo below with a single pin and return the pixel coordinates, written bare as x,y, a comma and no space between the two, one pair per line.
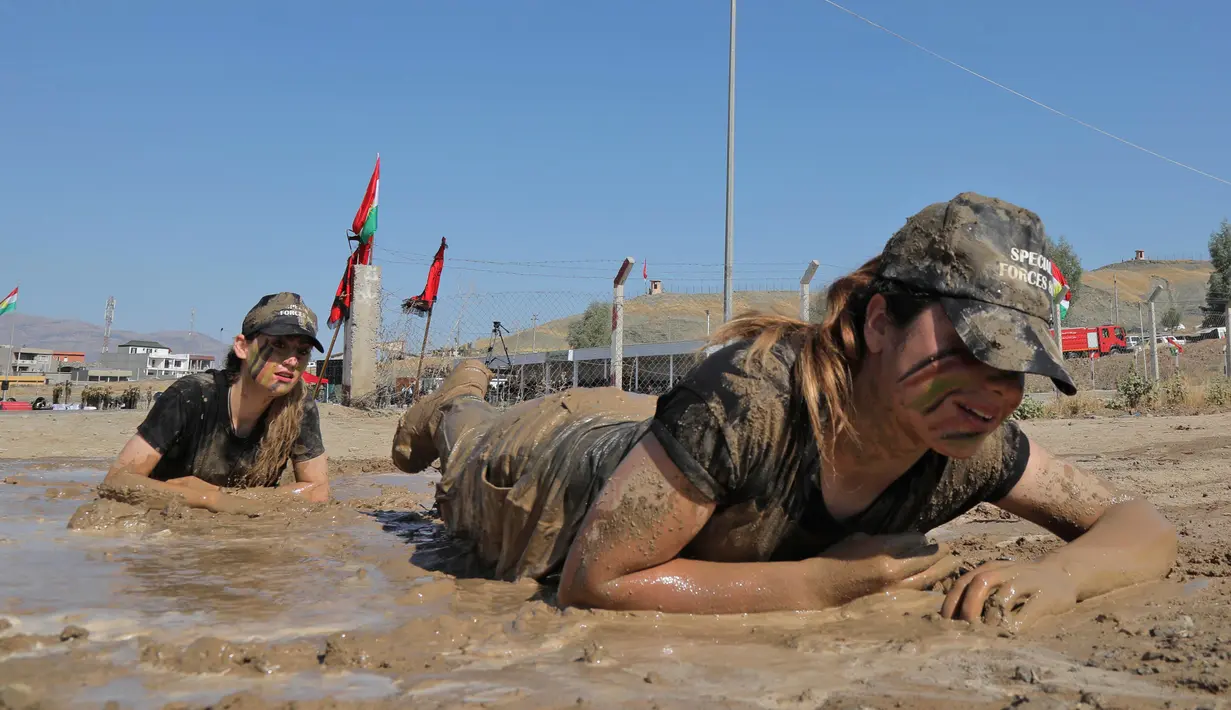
108,316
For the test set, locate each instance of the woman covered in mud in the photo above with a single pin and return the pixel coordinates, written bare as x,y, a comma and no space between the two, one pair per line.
236,427
799,465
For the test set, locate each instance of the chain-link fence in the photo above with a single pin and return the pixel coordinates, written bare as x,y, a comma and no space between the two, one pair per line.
646,336
539,342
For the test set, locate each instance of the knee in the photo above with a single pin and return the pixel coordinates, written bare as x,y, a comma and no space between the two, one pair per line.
401,450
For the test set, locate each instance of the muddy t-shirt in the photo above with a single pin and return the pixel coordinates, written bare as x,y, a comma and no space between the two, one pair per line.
190,425
740,432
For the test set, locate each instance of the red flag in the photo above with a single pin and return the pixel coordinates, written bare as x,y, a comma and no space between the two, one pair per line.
364,224
422,304
342,299
645,274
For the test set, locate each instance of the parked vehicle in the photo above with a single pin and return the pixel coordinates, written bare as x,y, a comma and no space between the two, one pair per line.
1093,342
1217,333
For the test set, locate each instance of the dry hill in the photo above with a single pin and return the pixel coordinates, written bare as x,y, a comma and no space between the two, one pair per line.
1135,280
79,336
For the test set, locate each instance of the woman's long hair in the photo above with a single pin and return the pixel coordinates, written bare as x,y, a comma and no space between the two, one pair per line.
283,419
833,350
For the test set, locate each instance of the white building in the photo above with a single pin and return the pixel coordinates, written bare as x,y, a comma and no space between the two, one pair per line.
146,359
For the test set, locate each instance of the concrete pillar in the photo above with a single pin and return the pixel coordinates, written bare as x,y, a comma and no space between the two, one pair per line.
359,356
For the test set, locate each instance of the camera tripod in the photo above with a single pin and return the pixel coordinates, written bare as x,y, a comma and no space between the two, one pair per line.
498,331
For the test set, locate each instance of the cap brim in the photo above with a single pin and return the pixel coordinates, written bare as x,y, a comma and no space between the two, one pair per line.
293,330
1008,339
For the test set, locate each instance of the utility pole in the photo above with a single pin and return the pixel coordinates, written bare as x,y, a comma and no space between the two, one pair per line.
534,330
108,317
728,300
1116,287
192,322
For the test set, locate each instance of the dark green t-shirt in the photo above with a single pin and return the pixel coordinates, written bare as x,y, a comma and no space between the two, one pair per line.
740,433
190,425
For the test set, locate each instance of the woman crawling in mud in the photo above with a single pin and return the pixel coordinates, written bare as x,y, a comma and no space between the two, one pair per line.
799,465
236,427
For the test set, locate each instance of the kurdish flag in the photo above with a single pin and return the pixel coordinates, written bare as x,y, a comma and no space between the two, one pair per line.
9,303
1060,290
364,225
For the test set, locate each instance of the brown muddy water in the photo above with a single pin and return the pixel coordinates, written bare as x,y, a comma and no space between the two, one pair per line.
364,602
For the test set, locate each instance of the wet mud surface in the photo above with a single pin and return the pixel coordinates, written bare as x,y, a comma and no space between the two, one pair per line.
363,602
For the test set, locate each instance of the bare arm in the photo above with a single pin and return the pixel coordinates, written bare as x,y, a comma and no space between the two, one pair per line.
1115,540
130,474
625,554
312,479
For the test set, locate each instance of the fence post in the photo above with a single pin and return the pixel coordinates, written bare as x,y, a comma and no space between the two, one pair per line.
617,323
1055,319
1226,338
1154,341
805,287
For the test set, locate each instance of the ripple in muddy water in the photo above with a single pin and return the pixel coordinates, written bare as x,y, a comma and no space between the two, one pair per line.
366,601
131,573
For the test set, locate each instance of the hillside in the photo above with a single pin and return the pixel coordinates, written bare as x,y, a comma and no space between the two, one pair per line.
661,318
670,316
79,336
1135,279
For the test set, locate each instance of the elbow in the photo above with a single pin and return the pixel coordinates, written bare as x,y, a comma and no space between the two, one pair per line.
574,592
1162,540
580,588
320,494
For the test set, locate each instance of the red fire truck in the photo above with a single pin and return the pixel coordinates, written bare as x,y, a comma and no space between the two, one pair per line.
1092,342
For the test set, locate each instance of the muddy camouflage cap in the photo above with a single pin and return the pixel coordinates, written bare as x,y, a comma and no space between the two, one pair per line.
984,259
282,314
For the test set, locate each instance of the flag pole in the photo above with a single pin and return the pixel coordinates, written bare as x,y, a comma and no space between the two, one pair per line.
328,354
8,370
422,351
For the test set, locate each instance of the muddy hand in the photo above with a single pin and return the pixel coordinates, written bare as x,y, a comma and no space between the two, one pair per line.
1012,595
949,567
878,562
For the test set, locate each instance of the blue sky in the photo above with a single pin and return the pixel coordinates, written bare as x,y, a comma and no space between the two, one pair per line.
198,155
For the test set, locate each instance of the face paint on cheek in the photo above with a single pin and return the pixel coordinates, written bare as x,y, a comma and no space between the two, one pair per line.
940,386
259,366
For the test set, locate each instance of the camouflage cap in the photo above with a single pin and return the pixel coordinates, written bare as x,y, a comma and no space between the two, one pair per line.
282,314
984,259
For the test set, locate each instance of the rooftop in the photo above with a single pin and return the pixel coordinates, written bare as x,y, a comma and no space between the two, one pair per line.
142,344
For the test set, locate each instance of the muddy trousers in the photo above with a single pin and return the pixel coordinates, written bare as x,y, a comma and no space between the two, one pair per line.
518,482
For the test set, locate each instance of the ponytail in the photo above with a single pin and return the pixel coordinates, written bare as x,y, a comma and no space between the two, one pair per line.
831,351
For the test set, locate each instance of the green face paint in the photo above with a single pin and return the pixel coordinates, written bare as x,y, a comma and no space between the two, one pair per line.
940,386
270,353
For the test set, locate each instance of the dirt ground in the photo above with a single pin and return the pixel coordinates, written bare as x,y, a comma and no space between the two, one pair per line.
363,602
357,441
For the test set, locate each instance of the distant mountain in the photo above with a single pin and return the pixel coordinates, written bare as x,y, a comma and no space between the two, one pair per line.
79,336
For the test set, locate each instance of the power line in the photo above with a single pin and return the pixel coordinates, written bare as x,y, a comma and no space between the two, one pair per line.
1036,102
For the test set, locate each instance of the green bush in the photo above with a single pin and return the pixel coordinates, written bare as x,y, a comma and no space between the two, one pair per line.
1174,391
1030,408
1218,392
1132,392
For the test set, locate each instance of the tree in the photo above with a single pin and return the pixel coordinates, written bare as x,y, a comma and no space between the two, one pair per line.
1065,257
1171,318
1218,288
593,329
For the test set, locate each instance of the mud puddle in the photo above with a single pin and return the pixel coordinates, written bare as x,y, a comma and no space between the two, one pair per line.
363,602
133,576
